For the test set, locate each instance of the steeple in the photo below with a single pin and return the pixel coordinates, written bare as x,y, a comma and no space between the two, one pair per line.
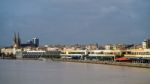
15,39
18,40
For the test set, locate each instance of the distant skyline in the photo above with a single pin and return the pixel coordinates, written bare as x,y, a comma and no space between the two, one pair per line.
75,21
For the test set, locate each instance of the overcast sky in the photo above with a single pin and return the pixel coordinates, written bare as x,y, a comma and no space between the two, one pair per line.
75,21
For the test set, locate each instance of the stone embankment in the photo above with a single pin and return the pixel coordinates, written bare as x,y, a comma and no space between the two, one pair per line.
129,64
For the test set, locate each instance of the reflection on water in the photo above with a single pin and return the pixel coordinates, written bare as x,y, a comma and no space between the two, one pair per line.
49,72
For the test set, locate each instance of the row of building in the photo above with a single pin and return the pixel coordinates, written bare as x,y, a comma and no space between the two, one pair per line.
74,53
31,49
105,55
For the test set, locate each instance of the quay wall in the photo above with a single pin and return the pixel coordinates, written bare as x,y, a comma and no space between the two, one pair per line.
141,65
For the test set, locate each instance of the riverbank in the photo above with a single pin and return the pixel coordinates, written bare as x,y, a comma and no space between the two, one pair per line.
129,64
140,65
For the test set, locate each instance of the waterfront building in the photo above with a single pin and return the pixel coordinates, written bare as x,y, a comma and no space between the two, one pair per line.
7,51
146,44
137,53
29,54
37,54
77,54
105,54
92,54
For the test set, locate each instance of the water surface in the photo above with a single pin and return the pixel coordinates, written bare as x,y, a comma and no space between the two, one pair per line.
49,72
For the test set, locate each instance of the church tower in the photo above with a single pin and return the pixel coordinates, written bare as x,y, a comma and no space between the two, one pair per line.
16,41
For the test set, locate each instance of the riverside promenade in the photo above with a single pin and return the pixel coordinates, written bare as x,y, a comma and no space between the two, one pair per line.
129,64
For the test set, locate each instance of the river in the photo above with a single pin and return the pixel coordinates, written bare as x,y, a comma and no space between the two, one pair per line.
53,72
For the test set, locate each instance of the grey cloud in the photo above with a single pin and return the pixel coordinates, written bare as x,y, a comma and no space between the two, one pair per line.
66,21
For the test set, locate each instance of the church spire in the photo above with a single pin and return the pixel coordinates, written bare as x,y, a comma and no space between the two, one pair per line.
15,39
18,40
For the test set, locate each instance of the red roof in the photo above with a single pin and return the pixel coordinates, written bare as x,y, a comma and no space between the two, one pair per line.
121,59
